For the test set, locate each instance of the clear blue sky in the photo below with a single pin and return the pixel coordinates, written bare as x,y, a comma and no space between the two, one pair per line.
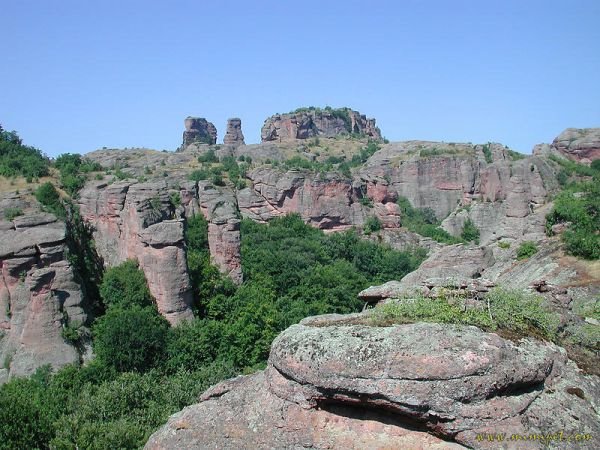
79,75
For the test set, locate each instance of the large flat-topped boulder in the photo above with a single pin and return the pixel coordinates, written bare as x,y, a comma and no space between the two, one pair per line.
305,123
427,386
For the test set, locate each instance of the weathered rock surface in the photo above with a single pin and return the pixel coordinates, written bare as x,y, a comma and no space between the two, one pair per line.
233,134
39,295
315,122
579,144
198,129
406,386
135,221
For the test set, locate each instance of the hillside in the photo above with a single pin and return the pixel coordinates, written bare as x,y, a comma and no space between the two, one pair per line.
466,253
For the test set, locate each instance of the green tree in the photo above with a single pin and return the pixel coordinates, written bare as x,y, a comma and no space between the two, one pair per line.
125,286
49,197
132,339
470,232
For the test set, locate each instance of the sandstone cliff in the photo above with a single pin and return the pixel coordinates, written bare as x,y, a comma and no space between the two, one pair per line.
312,122
137,221
39,296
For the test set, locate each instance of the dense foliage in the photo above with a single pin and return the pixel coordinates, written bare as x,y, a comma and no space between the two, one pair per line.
526,249
18,159
145,370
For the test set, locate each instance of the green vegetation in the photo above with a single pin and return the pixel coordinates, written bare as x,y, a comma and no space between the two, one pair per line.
11,213
571,169
526,249
145,370
73,169
125,286
424,222
17,159
515,156
199,175
372,224
514,311
470,233
208,157
49,197
579,205
428,152
487,153
504,245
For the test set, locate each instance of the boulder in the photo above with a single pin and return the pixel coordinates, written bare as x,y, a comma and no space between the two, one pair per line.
405,386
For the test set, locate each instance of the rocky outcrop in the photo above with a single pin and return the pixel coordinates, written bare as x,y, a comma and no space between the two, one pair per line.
137,221
313,122
233,134
39,295
405,386
220,210
198,130
579,144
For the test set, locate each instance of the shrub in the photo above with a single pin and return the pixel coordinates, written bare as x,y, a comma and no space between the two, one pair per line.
49,197
372,224
470,232
199,175
487,153
424,222
125,286
132,339
18,159
504,244
208,157
526,249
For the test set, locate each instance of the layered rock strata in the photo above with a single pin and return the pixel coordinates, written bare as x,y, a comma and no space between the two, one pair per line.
198,130
39,295
137,221
233,134
409,386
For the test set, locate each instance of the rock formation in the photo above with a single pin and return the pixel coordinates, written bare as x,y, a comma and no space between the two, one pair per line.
405,386
137,221
39,296
312,122
198,130
233,134
579,144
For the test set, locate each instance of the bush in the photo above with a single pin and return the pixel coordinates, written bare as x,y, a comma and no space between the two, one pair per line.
49,197
208,157
526,249
470,232
132,339
579,205
372,224
199,175
424,222
487,153
125,286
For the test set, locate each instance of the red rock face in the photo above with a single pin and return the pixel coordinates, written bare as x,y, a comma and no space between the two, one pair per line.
312,123
133,221
579,144
198,129
38,295
326,201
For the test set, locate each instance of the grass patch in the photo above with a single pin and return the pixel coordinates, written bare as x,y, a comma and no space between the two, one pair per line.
516,313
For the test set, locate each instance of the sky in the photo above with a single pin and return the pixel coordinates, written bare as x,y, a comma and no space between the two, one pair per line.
76,76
